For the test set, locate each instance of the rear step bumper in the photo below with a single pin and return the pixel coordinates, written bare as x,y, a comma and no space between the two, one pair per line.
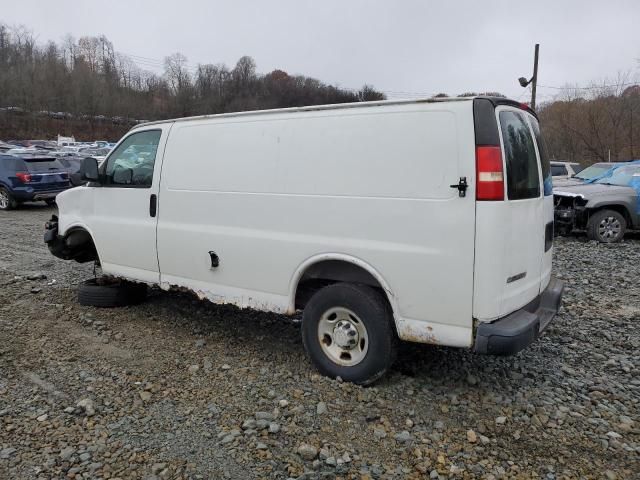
510,334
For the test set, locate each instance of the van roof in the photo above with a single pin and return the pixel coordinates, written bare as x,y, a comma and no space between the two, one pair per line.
337,106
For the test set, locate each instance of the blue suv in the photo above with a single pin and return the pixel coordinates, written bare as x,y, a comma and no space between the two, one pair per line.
30,178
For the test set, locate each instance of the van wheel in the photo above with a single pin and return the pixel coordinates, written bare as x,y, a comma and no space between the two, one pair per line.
102,292
347,331
606,226
7,202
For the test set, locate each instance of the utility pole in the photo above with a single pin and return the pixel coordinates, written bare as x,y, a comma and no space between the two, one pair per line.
534,80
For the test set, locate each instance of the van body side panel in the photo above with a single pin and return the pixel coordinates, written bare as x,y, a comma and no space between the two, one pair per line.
267,193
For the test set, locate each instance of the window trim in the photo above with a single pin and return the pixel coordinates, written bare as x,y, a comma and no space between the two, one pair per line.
103,167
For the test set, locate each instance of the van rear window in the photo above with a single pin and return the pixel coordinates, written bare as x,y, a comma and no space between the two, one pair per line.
523,179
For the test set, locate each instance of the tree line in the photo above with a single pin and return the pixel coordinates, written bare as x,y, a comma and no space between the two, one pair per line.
88,78
593,124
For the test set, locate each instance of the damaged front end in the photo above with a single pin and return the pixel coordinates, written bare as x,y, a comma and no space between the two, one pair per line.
75,245
570,212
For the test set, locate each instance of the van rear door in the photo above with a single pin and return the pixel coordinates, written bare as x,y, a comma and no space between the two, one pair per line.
513,256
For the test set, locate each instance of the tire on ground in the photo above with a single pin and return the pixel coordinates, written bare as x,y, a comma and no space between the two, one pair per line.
97,293
597,218
370,307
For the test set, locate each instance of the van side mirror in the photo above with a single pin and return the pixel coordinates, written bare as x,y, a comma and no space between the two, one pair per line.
89,169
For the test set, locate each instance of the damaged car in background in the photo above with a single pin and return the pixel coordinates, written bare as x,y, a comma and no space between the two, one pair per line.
606,209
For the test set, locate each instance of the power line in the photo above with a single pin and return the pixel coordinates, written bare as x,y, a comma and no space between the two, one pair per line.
597,87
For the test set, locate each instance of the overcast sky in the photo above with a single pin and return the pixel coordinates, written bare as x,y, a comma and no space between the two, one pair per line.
401,47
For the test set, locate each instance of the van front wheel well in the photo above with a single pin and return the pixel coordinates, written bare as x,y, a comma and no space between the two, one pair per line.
77,244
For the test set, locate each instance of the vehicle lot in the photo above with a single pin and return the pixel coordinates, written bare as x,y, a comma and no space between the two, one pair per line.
182,388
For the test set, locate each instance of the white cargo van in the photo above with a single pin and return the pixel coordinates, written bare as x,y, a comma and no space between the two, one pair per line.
427,221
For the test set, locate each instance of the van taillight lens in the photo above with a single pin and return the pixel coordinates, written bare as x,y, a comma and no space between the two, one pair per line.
489,175
23,177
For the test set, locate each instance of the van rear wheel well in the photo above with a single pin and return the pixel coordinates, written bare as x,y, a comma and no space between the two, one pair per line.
328,272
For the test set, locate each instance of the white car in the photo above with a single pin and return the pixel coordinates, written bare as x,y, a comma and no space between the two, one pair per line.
426,221
565,170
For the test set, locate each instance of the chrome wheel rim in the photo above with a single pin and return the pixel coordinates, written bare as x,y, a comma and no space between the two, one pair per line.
343,336
4,199
609,228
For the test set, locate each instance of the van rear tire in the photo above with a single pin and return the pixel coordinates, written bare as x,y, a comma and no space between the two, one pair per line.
110,293
347,332
606,226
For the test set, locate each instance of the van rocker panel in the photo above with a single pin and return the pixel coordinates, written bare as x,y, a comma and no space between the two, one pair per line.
513,333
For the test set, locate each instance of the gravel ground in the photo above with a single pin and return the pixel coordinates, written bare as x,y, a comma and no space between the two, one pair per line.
178,388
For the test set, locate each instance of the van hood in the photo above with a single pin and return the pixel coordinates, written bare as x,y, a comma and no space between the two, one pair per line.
591,190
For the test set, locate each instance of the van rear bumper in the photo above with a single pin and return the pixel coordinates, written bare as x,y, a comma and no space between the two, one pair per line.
510,334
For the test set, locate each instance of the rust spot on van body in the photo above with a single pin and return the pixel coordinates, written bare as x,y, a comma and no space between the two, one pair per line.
410,333
240,302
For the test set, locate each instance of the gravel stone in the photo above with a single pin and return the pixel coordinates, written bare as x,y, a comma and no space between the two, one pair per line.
86,406
321,408
307,452
403,437
471,436
274,427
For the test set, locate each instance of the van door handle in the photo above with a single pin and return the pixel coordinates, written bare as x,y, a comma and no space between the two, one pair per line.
462,186
153,204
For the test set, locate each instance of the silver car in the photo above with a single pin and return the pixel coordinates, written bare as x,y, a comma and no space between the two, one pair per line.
606,208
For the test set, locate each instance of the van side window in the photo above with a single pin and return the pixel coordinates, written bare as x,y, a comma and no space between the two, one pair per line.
131,163
558,170
522,163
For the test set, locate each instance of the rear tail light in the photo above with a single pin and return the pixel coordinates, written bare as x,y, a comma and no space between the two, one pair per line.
24,177
489,175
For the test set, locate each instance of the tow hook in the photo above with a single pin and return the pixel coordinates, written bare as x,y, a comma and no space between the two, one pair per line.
51,230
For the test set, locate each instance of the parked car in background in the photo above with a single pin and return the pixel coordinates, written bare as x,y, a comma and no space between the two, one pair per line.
589,174
606,208
564,170
30,178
